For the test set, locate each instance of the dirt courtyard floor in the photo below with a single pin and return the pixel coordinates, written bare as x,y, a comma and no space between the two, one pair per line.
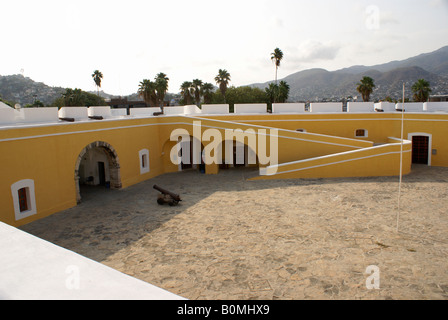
235,239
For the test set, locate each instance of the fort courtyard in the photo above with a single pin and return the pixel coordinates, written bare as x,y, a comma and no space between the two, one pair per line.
233,238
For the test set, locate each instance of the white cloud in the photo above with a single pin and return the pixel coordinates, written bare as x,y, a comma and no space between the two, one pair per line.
313,51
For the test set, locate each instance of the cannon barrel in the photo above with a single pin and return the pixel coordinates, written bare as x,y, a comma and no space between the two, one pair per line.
173,195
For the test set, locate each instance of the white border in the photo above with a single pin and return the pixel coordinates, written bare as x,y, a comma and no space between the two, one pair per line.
27,183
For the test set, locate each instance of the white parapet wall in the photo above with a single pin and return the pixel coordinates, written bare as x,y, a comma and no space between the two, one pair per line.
100,112
435,106
34,269
385,106
192,109
410,106
77,113
30,115
8,115
288,108
253,108
144,111
361,107
171,111
121,112
215,108
326,107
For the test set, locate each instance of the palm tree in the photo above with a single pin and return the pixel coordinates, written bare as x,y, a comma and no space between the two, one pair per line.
365,88
207,91
68,97
186,91
223,79
421,90
147,90
161,84
272,92
197,87
97,77
277,57
283,91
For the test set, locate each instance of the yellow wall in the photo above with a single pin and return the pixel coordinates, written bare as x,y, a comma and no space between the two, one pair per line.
381,160
48,153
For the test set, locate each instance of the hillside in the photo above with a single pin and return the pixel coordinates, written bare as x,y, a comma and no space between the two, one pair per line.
435,62
18,89
320,84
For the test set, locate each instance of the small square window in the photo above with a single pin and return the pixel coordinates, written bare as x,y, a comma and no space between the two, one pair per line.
361,133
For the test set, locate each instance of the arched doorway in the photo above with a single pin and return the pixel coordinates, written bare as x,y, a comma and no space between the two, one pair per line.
97,165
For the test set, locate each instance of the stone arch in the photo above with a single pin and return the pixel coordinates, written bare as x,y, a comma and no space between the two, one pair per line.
113,162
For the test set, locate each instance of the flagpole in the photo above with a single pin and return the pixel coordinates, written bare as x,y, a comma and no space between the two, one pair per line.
401,160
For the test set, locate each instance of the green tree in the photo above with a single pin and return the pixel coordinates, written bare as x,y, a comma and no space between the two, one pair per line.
421,90
223,79
277,93
161,87
186,90
277,57
35,104
78,98
207,92
243,94
147,90
283,92
197,90
272,92
365,88
73,97
97,78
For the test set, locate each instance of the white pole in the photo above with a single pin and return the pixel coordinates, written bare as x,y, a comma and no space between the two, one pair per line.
401,160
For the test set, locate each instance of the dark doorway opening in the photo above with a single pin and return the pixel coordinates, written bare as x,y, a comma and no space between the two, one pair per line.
420,150
102,173
188,164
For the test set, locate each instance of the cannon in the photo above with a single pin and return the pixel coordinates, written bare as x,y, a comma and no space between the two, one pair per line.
167,197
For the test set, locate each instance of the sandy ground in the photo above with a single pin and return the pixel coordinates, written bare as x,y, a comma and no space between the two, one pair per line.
231,238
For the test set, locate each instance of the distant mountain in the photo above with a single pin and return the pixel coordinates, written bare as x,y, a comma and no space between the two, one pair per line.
435,62
19,89
320,84
307,85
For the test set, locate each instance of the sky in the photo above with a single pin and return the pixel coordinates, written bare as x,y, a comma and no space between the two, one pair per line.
62,42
